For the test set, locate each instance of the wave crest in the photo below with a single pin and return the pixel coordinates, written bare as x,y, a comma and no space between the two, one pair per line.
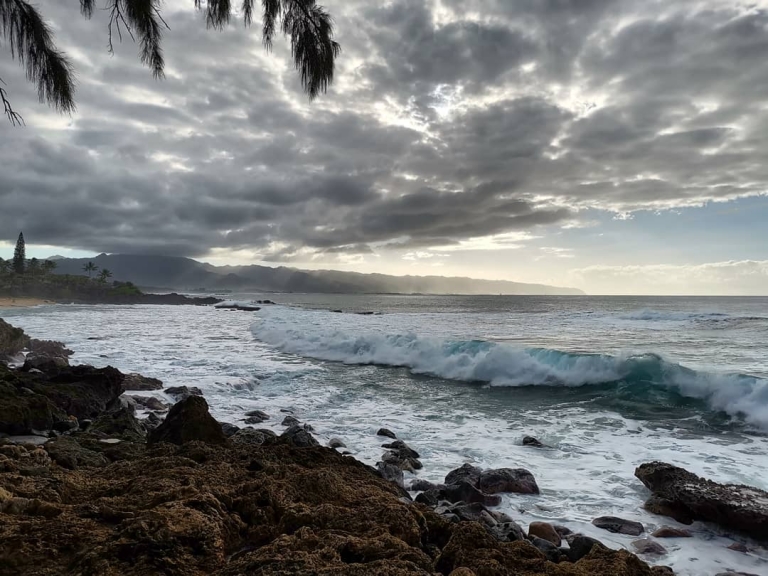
498,364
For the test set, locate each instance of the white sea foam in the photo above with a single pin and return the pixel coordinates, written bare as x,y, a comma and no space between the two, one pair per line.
305,333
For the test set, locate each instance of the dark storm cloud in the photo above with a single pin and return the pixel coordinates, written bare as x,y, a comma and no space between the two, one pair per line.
474,118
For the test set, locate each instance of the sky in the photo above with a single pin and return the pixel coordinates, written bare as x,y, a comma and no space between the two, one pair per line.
614,146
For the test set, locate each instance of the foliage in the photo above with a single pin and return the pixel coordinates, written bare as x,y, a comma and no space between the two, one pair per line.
104,275
90,267
19,255
308,25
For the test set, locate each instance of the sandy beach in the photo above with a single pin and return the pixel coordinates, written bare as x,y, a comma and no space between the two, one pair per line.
6,302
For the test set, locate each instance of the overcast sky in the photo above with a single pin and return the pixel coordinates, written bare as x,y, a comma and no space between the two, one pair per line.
616,146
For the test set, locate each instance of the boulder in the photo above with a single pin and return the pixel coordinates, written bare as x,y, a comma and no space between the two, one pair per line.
229,429
466,492
518,480
387,433
256,417
648,546
120,423
68,453
663,507
671,532
531,441
580,546
466,473
187,421
49,348
182,392
402,448
290,421
12,341
420,485
509,531
150,402
404,462
141,383
732,506
151,422
298,436
545,531
336,443
46,363
619,525
391,473
550,551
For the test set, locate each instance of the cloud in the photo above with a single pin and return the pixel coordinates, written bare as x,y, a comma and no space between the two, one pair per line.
453,126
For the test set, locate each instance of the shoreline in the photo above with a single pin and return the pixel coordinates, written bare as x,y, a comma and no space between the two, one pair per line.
23,302
89,452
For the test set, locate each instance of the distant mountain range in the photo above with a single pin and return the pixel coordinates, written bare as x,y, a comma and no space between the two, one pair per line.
185,274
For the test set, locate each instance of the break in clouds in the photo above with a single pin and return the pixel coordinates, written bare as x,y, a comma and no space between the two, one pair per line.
449,120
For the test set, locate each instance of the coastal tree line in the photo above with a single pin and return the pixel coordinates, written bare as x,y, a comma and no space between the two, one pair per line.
31,277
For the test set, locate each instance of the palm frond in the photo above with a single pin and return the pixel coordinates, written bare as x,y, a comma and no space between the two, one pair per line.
144,16
31,43
86,8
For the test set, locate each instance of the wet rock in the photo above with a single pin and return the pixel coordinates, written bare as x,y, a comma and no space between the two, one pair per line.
67,425
738,547
518,480
12,340
466,473
336,443
402,448
732,506
290,421
619,525
509,531
47,364
150,402
663,507
151,422
298,436
229,429
49,348
671,532
428,498
391,473
183,392
420,485
256,417
580,546
387,433
403,462
137,382
187,421
552,552
531,441
662,571
472,512
562,530
545,531
120,423
466,492
648,546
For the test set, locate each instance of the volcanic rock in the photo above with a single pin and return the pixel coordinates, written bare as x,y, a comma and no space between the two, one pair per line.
187,421
619,525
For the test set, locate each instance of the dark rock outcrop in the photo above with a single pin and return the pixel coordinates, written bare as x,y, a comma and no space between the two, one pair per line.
150,402
120,423
733,506
531,441
12,341
466,473
518,480
188,421
298,436
256,417
137,382
579,546
545,531
619,525
290,421
387,433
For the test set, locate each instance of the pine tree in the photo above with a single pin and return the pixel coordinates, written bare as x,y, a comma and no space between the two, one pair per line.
20,255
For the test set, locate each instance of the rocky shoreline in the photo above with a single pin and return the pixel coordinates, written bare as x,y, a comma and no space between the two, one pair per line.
86,487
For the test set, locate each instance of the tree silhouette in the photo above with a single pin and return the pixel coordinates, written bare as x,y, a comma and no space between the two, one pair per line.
104,275
49,266
90,267
33,267
29,37
20,255
5,266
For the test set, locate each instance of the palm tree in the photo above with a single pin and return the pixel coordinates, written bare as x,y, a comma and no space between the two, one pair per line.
308,25
49,266
104,275
90,267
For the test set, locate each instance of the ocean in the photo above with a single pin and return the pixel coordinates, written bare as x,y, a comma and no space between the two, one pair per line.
606,382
